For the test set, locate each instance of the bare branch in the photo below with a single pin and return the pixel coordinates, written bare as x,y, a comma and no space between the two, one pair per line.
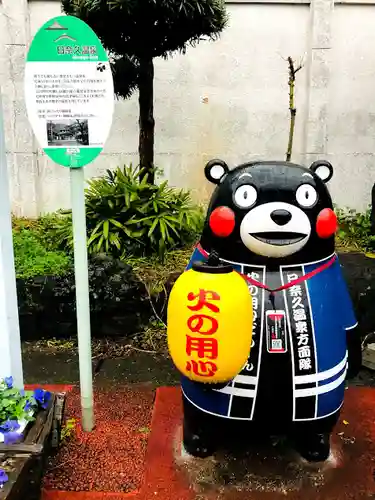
153,307
293,70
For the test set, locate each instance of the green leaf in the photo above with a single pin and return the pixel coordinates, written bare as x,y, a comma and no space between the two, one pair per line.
98,227
105,229
127,199
116,223
153,226
163,229
172,227
100,243
113,238
138,234
127,232
92,238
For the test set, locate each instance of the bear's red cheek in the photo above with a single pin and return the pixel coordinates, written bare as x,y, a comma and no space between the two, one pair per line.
326,223
222,221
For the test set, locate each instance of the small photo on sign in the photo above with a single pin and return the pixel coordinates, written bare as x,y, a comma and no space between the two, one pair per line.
67,133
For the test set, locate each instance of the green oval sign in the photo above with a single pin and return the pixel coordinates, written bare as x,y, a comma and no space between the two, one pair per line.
69,91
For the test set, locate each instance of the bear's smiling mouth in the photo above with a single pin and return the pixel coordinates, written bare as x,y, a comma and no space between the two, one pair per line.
279,238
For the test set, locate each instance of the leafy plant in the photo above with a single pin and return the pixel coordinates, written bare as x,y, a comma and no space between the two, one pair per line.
43,228
16,406
355,229
32,258
126,215
135,32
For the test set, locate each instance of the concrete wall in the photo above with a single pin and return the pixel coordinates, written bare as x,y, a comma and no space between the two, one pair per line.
226,99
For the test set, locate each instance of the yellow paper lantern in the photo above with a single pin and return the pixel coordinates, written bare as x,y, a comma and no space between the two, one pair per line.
210,320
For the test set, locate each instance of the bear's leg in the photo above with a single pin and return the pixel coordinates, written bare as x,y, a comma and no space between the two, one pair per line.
312,439
199,436
313,447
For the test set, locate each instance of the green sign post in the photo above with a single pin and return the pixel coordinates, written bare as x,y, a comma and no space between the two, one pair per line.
70,101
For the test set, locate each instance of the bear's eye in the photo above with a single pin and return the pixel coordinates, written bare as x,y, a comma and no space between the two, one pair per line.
306,195
245,196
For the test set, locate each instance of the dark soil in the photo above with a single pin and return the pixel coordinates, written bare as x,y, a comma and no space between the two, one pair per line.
136,367
111,458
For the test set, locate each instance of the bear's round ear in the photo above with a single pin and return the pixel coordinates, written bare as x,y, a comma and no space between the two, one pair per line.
322,169
215,170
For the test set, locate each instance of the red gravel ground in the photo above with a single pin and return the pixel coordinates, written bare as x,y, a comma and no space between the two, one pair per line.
169,475
111,458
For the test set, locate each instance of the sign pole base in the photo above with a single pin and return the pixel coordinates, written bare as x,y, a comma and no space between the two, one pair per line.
77,181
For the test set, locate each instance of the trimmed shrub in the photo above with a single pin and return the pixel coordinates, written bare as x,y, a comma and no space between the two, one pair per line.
118,302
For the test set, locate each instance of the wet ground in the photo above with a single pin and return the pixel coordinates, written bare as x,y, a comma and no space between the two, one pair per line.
136,367
62,368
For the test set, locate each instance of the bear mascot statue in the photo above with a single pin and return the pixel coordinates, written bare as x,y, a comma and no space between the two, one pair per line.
274,223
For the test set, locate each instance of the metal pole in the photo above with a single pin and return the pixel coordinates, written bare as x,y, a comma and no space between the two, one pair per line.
77,183
10,339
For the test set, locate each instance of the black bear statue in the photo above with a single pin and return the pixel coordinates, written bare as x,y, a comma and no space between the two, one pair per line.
274,223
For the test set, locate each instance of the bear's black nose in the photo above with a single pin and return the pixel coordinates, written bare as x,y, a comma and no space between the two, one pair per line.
281,217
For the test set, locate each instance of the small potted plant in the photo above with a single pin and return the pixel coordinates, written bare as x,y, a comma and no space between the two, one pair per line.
18,412
17,409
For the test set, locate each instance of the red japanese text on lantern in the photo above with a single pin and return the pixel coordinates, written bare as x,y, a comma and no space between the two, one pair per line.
201,368
205,348
205,325
203,300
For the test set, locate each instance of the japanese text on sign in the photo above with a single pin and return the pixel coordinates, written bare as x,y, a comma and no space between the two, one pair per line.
301,326
84,50
70,90
203,305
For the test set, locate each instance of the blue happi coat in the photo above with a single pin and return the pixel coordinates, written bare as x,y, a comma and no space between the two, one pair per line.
318,313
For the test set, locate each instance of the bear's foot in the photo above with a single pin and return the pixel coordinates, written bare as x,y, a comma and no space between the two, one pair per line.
197,444
314,447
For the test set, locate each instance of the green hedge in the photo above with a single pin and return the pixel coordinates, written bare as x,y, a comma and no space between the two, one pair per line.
32,258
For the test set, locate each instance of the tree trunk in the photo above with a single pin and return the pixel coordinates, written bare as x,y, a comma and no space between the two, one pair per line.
146,118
